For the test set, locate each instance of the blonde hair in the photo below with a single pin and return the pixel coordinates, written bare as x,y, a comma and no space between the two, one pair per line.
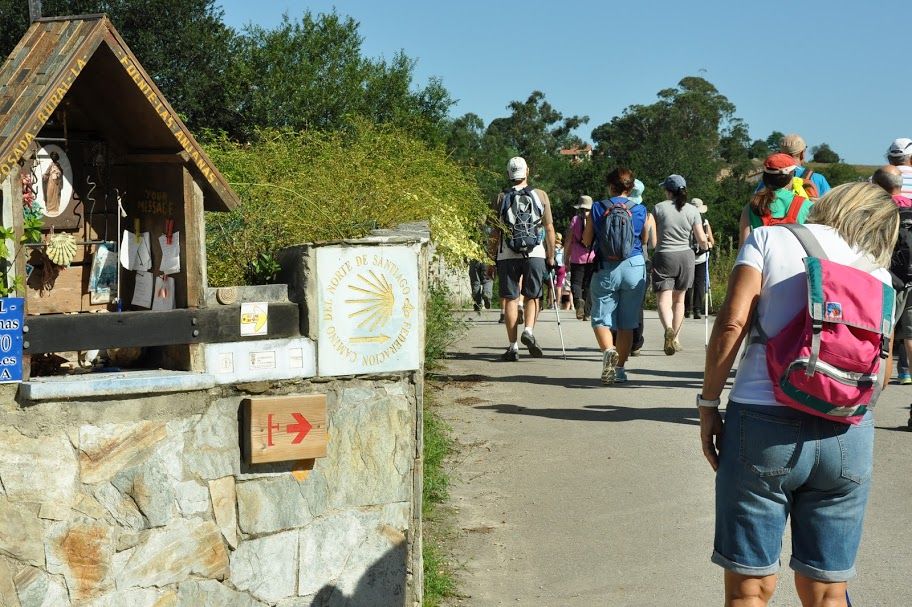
864,215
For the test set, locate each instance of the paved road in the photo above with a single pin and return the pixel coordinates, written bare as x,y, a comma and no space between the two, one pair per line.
569,493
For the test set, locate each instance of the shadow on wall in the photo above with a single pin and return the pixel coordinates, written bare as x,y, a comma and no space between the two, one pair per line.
382,585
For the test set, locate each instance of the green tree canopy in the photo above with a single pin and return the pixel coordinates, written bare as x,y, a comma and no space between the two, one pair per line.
823,153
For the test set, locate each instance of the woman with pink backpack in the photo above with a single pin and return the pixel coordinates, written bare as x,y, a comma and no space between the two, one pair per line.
814,305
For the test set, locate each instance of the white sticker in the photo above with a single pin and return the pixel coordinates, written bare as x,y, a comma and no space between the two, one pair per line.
254,319
225,363
296,358
262,360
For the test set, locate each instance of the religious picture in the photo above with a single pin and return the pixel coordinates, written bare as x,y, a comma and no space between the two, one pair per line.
56,179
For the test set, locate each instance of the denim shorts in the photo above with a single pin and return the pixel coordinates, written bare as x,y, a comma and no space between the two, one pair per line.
617,293
775,463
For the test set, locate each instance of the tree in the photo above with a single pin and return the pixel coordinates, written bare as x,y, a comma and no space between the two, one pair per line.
772,142
759,148
823,153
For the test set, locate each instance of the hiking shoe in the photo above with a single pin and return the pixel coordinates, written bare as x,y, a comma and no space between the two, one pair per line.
677,345
521,317
905,379
697,316
635,352
609,366
487,303
528,341
669,341
580,306
620,376
501,319
477,308
510,356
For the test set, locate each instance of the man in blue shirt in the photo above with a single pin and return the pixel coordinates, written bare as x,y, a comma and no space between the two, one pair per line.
794,146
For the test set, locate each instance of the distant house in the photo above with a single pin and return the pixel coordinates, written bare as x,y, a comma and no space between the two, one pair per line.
578,155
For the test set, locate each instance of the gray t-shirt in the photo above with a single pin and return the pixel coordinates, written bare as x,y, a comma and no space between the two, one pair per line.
674,227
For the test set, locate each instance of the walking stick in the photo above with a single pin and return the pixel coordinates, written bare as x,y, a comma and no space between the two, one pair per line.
557,313
706,299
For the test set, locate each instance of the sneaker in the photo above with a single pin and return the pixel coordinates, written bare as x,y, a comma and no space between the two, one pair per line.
528,340
609,370
510,355
487,303
686,314
697,315
635,352
501,319
905,379
910,422
477,308
580,306
520,319
620,376
669,341
678,346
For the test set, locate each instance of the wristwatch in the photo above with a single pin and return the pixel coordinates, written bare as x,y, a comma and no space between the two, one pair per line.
702,402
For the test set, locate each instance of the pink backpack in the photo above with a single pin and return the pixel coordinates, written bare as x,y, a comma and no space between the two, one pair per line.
829,361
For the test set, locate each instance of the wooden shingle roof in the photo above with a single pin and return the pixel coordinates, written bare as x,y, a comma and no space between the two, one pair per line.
57,53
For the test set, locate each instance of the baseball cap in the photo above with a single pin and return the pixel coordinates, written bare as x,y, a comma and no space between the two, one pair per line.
792,144
900,148
701,206
673,183
585,202
517,168
636,192
779,164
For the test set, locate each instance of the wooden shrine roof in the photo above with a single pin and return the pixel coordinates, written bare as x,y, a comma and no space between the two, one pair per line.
83,58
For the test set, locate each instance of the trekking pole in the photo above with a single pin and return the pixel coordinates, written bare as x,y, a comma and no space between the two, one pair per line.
557,314
707,297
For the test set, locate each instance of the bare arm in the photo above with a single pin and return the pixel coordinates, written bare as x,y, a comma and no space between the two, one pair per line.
700,236
731,327
743,228
709,235
649,231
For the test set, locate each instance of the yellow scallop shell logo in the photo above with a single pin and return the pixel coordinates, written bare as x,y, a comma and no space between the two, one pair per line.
375,302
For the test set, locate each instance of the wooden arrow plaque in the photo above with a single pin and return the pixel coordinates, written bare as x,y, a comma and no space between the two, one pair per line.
284,428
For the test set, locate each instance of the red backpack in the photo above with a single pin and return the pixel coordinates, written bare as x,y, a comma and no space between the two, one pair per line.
790,217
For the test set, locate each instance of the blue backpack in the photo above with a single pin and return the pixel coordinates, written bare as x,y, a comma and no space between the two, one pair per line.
616,237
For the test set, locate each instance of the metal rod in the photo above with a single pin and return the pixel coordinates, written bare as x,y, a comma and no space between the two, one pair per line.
87,242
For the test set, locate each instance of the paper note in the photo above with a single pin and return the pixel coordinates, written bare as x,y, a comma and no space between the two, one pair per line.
164,294
170,261
135,253
142,292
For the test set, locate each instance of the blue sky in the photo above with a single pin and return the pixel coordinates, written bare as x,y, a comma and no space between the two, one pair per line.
833,71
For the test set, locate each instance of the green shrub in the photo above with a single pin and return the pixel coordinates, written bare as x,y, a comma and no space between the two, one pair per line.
314,186
438,444
443,326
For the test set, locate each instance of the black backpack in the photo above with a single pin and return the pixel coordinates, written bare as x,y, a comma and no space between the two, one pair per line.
901,264
522,213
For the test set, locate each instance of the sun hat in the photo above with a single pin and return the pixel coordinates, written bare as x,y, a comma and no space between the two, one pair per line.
701,206
636,192
585,202
517,168
792,144
900,148
673,183
779,164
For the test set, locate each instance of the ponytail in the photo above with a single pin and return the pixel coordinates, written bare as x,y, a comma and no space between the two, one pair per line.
761,201
680,198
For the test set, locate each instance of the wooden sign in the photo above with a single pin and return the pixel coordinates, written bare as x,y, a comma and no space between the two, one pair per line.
286,428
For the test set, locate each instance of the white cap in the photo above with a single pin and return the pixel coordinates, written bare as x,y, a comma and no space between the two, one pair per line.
517,168
900,148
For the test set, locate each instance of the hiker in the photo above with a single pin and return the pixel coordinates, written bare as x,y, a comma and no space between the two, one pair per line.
554,299
482,285
776,201
580,259
794,146
524,240
899,154
890,178
616,229
695,296
636,197
677,222
773,458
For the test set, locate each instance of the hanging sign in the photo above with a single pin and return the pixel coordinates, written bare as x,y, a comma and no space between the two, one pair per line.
11,319
286,428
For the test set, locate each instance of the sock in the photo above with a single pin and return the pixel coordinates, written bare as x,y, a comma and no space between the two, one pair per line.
528,330
515,346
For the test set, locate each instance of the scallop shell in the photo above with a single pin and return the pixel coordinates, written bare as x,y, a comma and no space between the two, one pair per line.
61,249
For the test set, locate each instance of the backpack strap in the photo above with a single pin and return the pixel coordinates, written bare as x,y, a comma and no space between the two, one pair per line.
807,174
795,209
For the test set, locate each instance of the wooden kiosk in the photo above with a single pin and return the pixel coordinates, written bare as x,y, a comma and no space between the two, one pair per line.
92,151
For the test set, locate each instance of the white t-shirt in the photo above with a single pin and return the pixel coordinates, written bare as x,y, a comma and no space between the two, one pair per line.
778,255
906,171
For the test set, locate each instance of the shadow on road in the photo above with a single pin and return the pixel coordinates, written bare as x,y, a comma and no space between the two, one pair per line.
606,413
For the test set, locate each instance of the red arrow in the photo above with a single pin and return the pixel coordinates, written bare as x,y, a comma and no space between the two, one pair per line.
302,428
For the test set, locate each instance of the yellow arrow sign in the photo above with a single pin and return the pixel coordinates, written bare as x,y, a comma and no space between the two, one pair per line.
370,339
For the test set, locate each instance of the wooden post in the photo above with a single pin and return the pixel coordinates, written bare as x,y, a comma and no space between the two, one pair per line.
34,10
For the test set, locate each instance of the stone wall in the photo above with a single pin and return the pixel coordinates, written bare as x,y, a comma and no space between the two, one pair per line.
147,502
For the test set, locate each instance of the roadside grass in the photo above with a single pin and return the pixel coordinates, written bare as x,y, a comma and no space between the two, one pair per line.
445,325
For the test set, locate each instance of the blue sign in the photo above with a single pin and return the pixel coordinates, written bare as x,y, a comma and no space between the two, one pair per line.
11,319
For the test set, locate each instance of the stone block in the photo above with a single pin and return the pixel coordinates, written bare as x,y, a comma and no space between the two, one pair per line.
137,597
267,567
82,553
8,596
268,505
122,508
106,450
50,458
224,505
35,588
355,553
171,554
192,498
210,593
21,533
212,448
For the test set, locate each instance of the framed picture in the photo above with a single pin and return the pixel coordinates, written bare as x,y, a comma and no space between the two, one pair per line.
55,188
